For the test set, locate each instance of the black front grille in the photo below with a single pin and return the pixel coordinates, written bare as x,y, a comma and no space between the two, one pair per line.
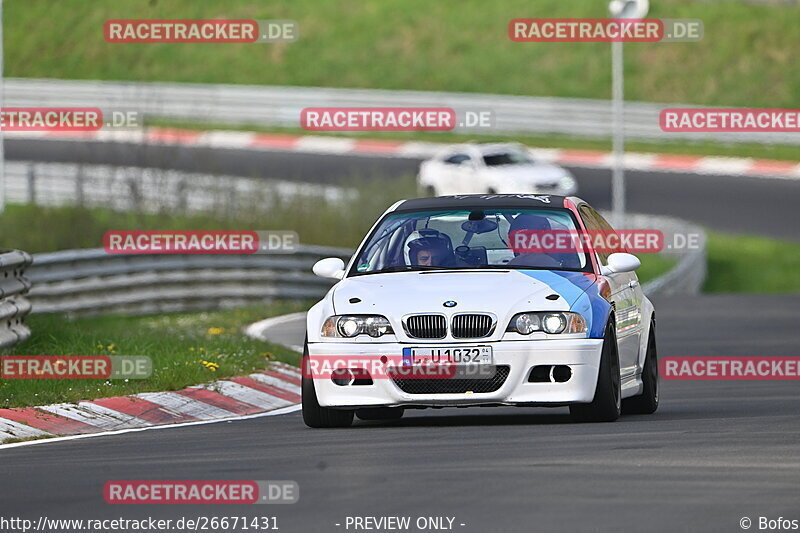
471,326
453,386
426,326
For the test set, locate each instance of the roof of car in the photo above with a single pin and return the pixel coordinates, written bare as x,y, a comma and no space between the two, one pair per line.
484,148
481,200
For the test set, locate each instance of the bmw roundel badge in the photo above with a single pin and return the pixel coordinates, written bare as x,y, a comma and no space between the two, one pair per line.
450,303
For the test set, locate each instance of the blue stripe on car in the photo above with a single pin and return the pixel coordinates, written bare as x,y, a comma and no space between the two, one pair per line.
564,287
581,293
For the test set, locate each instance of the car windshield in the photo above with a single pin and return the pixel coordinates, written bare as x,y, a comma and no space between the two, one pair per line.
512,157
469,239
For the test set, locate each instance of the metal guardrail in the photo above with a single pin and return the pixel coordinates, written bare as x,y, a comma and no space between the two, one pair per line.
93,281
151,189
281,106
689,273
13,305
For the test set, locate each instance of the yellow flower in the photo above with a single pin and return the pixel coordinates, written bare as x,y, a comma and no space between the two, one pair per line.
216,331
112,346
209,365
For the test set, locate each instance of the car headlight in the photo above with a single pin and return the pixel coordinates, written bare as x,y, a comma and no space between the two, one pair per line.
349,326
549,322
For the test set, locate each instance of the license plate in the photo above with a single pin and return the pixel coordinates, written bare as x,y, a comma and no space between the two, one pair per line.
455,355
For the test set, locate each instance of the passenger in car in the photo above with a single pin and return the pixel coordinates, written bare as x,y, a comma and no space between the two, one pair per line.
537,259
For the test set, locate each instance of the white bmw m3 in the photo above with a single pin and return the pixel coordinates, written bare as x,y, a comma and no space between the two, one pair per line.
443,305
492,168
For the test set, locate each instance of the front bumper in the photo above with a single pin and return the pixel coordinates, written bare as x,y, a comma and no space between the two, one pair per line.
581,355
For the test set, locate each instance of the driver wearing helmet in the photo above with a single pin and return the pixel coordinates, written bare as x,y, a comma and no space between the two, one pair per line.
431,249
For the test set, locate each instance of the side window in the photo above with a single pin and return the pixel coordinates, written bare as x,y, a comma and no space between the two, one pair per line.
457,159
607,230
594,222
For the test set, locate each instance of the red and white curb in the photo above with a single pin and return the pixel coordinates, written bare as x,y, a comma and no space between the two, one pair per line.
274,390
317,144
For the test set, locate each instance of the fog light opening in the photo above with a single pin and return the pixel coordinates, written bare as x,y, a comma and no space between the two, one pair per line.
540,374
550,374
361,376
561,373
342,377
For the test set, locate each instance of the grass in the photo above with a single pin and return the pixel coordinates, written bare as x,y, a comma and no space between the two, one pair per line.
184,348
746,57
317,220
744,263
654,265
701,148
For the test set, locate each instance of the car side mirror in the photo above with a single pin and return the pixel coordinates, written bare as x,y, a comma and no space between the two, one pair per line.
620,262
330,267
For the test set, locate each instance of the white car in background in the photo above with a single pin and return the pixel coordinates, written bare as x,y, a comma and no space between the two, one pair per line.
492,168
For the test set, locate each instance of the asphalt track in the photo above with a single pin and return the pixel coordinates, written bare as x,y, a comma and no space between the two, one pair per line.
713,453
735,204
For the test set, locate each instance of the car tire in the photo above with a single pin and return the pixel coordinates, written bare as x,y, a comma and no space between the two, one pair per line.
314,415
380,413
647,402
607,403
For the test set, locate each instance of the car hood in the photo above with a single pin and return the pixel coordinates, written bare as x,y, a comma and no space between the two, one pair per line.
496,291
535,173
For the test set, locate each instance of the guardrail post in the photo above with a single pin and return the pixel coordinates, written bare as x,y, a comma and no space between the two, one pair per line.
231,207
182,200
79,186
32,184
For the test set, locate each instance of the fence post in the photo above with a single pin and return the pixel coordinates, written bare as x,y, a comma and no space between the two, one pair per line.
32,184
231,200
79,186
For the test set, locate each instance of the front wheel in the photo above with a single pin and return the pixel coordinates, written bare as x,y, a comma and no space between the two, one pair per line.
607,403
314,415
647,402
